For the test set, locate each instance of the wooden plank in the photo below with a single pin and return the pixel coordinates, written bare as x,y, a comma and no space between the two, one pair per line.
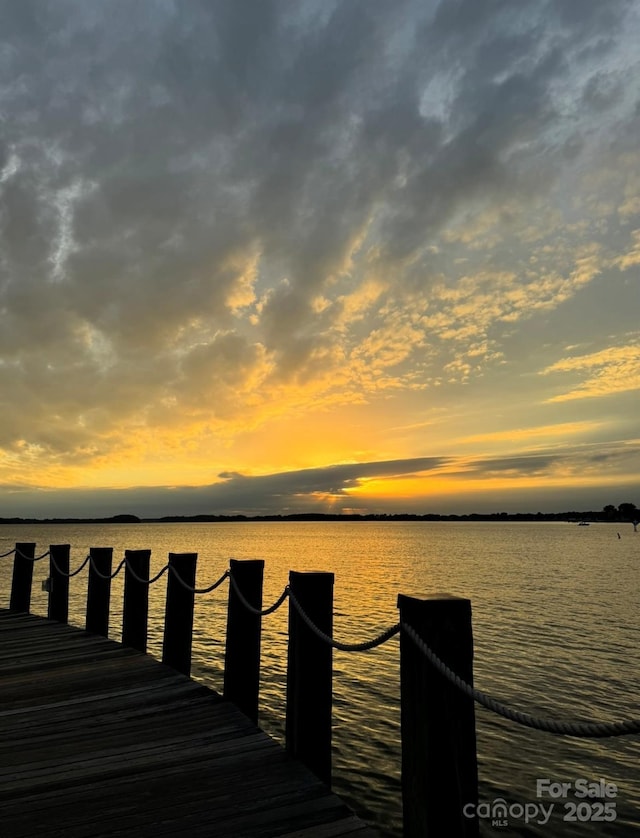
99,740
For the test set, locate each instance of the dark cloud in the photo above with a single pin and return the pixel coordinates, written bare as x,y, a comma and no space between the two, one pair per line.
603,91
294,491
330,479
584,460
533,464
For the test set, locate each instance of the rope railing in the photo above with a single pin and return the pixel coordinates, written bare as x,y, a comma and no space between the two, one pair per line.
257,611
8,553
577,728
337,644
584,729
72,573
106,576
29,558
141,579
193,590
126,563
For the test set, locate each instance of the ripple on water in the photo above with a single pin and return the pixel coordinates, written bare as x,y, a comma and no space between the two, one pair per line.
555,632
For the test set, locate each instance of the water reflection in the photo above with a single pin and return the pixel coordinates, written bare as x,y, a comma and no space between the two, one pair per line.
555,629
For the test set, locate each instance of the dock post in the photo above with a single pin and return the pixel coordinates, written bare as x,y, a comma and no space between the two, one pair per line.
309,673
22,577
439,764
242,655
99,590
135,608
59,574
178,617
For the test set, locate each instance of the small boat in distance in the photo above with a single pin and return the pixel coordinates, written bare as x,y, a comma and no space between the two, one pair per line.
583,524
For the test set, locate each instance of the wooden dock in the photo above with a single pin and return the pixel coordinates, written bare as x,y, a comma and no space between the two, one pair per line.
97,739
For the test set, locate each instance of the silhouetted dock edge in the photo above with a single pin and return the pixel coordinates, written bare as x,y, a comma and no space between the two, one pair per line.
439,770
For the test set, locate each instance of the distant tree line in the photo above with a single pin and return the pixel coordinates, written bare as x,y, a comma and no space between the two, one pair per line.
625,512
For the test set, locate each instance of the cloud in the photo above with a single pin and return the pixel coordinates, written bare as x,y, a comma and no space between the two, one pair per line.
294,491
609,371
330,480
210,217
632,257
520,466
528,434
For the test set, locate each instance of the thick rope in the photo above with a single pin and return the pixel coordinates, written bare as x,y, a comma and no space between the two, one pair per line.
74,572
344,647
107,575
257,611
585,729
29,558
10,553
198,590
142,579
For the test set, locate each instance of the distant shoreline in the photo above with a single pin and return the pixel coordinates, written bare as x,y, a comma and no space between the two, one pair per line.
569,517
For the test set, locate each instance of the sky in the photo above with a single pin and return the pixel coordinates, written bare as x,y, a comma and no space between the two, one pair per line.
357,256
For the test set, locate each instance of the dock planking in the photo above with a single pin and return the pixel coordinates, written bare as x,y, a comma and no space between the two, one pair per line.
100,740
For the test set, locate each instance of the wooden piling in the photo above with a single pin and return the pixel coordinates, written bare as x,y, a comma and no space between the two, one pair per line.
309,673
439,764
135,609
58,608
22,579
242,655
99,590
178,617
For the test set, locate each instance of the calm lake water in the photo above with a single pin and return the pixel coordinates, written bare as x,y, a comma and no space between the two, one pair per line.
556,631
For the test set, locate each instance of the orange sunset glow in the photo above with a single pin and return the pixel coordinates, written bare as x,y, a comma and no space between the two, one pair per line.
322,257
